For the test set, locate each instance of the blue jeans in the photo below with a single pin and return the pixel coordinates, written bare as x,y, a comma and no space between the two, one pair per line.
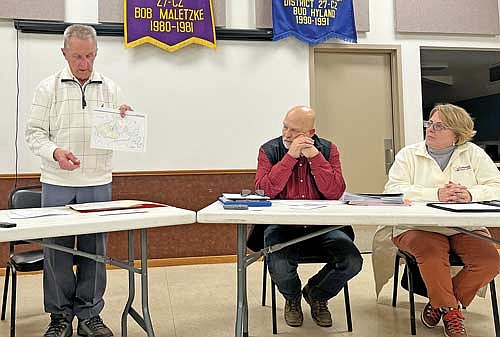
344,258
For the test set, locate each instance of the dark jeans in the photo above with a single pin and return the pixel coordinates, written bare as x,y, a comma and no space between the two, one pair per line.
344,258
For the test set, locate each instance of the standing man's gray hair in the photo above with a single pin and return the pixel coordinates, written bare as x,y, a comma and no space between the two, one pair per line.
82,32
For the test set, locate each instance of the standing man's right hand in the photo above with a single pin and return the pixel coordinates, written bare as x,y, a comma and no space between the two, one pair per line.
67,160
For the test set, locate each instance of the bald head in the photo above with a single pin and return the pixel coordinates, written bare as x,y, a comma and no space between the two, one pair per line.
299,120
302,116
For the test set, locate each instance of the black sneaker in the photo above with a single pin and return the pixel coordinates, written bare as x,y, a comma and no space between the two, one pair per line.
59,327
93,327
319,309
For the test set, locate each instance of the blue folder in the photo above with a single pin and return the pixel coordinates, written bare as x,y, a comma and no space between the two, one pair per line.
248,202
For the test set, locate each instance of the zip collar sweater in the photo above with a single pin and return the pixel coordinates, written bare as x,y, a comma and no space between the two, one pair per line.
61,117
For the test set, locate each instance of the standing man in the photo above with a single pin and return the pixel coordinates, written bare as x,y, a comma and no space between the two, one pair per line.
300,165
58,131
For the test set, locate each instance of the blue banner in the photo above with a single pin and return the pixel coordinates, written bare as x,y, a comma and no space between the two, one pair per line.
314,21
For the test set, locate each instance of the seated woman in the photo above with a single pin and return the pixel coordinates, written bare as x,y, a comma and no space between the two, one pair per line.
446,167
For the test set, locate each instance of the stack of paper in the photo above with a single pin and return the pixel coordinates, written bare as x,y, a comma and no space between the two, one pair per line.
374,199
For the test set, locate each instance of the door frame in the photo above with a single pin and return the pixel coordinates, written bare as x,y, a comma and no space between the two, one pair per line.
394,52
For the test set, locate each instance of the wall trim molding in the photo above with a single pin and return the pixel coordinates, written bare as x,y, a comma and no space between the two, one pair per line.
146,173
116,29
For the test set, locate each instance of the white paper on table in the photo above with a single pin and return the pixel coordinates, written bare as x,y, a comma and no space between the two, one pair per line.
26,213
112,132
306,207
307,204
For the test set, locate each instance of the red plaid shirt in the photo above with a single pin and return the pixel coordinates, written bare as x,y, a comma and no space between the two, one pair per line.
293,178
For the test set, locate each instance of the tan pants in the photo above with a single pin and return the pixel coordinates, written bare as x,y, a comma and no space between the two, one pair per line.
431,250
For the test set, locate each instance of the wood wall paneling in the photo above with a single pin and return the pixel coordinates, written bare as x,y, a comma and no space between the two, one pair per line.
264,17
192,190
33,9
447,16
111,11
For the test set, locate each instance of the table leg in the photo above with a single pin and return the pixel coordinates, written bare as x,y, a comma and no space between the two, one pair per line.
145,320
144,283
245,304
241,328
131,283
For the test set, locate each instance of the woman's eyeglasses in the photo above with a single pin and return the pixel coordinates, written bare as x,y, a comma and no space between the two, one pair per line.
438,126
246,193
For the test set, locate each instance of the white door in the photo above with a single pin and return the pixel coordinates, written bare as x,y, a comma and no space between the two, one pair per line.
352,94
353,103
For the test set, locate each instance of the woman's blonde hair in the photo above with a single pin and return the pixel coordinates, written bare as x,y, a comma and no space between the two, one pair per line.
457,119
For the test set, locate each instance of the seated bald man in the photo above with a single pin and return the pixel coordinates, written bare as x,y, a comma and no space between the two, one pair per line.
300,165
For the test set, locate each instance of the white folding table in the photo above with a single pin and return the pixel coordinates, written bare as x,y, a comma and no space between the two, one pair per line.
332,213
35,229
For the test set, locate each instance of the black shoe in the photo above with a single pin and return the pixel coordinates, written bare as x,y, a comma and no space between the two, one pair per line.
59,327
319,309
93,327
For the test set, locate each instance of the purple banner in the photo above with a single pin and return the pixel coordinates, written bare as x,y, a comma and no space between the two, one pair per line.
169,24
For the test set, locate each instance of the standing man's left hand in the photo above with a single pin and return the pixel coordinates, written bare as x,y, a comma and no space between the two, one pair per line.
123,110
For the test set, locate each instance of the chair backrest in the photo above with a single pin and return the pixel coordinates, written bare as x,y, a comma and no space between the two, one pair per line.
25,197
